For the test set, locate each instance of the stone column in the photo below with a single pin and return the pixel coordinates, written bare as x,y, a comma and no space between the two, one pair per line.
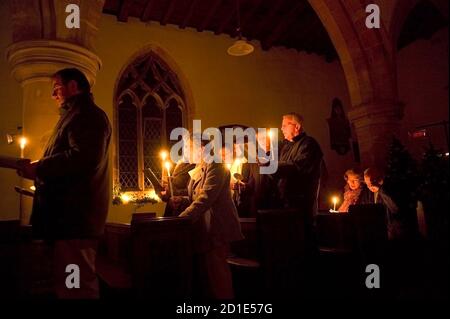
375,124
41,45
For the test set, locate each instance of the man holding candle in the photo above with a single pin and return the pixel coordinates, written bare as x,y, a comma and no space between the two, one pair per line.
72,185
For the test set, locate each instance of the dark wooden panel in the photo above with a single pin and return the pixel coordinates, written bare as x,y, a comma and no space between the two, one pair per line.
162,257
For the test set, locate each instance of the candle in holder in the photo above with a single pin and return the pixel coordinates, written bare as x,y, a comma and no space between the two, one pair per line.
168,165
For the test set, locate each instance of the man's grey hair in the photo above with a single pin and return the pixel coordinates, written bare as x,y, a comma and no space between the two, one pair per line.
294,117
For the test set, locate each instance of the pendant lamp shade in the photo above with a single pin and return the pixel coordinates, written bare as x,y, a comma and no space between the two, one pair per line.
240,47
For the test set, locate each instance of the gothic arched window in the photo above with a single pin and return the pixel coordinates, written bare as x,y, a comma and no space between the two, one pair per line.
150,103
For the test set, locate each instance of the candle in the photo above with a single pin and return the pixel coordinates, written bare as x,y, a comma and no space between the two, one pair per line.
270,134
163,155
22,144
167,164
125,198
335,200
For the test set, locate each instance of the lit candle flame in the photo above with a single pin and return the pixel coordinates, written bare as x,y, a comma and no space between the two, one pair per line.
163,155
168,166
125,198
228,165
22,142
33,188
335,199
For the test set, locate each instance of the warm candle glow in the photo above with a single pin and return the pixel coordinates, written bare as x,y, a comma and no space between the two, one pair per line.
33,188
270,134
22,142
168,166
228,165
125,198
151,194
334,199
163,155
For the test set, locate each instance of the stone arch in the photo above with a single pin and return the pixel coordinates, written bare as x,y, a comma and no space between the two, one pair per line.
368,61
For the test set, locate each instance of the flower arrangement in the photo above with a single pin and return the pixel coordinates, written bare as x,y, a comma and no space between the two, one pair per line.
139,198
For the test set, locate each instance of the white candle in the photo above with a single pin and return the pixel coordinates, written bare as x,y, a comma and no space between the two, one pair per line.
22,144
163,155
167,164
270,134
335,199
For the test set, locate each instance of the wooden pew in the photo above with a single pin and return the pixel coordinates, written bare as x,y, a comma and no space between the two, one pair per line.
244,261
335,233
283,249
113,261
161,257
9,256
370,231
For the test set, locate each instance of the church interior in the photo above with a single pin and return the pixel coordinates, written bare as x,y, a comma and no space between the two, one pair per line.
155,65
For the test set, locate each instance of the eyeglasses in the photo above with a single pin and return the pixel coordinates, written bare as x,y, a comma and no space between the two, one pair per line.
56,88
285,125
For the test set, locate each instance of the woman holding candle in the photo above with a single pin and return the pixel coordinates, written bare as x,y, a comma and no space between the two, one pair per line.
216,224
179,181
352,190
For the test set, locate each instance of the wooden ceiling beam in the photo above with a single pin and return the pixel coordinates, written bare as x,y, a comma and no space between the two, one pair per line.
249,14
283,25
188,16
147,11
124,8
267,20
226,21
211,12
294,33
168,12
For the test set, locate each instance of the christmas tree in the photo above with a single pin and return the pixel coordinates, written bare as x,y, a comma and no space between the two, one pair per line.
434,193
401,184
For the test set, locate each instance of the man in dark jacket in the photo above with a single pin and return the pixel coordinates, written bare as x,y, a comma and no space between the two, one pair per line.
298,171
72,184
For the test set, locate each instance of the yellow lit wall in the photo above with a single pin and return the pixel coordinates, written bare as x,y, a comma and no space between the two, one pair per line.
10,118
254,90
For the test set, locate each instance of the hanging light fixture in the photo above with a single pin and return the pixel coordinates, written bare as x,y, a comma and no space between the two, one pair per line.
240,47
